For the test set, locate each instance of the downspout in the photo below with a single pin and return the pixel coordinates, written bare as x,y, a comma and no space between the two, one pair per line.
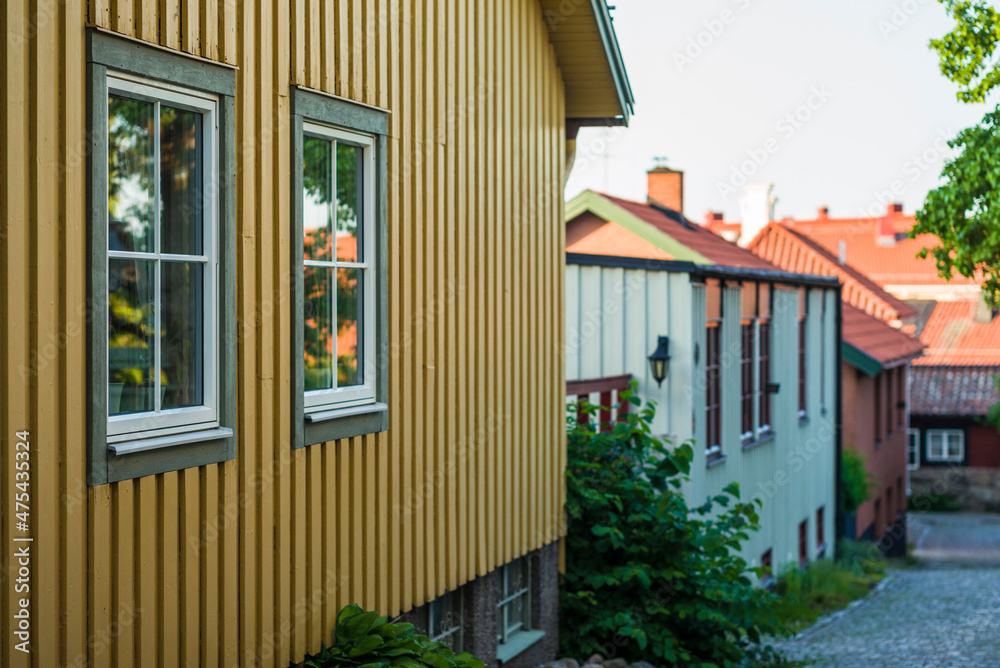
838,417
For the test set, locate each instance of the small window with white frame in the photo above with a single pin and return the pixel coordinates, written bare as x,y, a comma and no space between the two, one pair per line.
162,260
945,445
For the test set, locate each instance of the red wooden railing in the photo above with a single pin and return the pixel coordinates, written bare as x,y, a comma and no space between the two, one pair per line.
609,388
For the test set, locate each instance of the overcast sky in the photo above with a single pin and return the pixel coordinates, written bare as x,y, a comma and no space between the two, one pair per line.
838,102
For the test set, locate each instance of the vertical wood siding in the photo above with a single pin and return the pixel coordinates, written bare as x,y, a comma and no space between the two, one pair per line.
247,562
613,316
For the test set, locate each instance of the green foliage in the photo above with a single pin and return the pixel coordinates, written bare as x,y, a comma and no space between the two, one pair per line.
936,502
647,577
825,586
365,640
965,210
967,52
856,480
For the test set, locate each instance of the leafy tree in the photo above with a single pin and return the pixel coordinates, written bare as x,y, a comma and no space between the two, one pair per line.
857,481
963,212
647,577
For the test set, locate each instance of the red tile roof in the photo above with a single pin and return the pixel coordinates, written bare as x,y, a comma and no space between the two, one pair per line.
953,391
694,236
885,344
791,250
879,248
954,338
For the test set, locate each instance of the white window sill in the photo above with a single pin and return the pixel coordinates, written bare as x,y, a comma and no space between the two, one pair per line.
145,444
517,644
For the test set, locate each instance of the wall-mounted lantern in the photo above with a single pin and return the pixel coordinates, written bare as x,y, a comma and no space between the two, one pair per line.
659,361
901,404
773,388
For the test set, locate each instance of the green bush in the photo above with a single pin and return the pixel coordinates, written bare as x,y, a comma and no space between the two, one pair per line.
857,481
646,577
365,640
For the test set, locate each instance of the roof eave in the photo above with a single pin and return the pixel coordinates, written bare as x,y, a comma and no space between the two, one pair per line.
616,63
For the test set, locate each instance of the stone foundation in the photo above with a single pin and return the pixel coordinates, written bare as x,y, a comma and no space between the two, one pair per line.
975,489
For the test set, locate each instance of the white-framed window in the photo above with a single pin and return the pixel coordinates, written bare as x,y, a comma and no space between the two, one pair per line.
945,445
441,620
338,230
513,600
162,259
912,449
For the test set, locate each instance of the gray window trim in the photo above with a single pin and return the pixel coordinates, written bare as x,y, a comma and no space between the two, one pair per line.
309,105
106,53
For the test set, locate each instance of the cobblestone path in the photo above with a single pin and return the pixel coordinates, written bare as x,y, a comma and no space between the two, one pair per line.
942,613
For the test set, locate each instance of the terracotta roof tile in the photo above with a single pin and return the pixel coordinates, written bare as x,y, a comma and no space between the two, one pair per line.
876,339
791,250
954,338
694,236
953,390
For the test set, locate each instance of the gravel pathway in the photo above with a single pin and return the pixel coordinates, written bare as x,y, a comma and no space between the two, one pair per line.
943,613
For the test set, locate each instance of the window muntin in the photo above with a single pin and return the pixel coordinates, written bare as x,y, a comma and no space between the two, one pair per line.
338,265
162,260
945,445
441,620
513,599
713,392
912,449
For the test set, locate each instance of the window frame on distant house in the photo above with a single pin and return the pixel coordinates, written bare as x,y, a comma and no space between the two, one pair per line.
328,414
764,374
803,395
767,565
912,448
713,391
820,531
945,455
747,375
803,542
127,445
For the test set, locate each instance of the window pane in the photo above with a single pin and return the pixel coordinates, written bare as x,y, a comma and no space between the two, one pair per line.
317,198
349,371
130,175
954,449
131,332
318,328
348,196
182,341
181,181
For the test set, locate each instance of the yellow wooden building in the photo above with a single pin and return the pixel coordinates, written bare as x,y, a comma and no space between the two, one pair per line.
281,315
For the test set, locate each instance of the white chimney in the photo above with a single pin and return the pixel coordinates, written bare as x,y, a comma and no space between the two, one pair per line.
756,209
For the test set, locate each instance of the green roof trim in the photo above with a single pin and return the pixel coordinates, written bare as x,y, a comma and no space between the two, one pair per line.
602,207
606,30
859,360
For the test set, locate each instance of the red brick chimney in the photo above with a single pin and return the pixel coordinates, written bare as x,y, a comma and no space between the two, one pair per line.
823,213
713,217
665,187
893,209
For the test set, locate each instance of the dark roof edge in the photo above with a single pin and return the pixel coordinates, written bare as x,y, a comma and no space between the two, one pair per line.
859,359
776,275
703,270
617,261
606,30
